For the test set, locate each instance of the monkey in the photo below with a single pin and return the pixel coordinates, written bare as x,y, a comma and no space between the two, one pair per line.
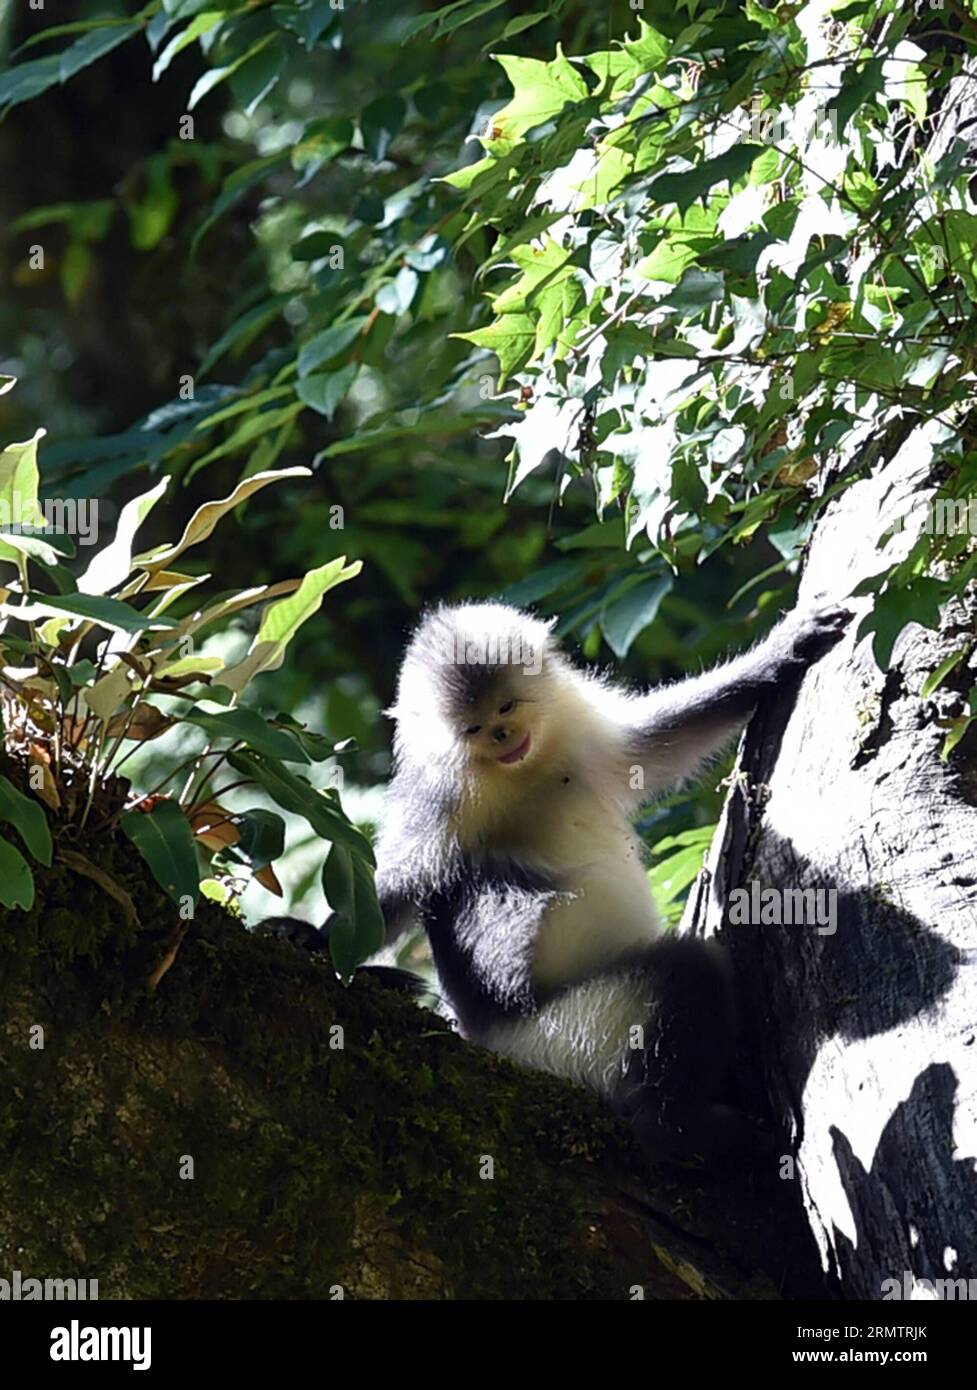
506,832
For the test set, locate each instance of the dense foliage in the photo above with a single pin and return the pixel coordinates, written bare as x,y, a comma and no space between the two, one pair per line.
686,264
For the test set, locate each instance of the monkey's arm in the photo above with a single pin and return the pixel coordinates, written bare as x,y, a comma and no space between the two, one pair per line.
670,731
483,931
397,903
413,851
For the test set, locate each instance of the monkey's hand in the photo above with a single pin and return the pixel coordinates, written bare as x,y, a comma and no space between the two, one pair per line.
798,641
295,930
316,939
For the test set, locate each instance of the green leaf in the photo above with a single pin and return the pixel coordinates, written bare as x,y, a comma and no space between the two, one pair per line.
309,22
92,46
113,564
252,401
682,857
76,269
200,25
82,672
315,246
164,839
958,729
397,295
325,390
464,179
283,619
243,329
460,15
380,122
214,76
248,727
18,490
189,666
235,186
293,794
109,691
599,535
672,256
683,189
911,86
696,291
28,80
512,339
58,31
624,619
328,344
16,879
318,746
257,426
357,931
216,891
556,306
539,264
321,141
205,519
47,547
252,82
106,612
541,90
858,86
223,607
895,609
262,837
90,219
541,582
522,22
27,817
961,236
936,678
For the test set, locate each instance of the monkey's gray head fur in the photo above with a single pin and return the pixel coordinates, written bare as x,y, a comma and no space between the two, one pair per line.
465,670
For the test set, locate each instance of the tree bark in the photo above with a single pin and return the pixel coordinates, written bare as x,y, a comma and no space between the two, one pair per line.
249,1128
863,1042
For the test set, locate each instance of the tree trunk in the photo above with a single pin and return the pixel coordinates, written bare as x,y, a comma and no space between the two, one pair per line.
863,1041
249,1128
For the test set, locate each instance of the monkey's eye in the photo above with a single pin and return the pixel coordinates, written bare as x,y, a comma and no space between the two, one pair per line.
508,707
473,729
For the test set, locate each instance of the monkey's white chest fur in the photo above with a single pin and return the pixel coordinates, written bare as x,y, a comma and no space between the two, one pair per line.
571,827
577,835
588,845
584,1032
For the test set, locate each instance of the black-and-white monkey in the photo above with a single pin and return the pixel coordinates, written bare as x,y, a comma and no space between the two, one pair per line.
507,833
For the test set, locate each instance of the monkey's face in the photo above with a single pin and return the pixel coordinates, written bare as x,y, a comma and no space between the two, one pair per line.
505,728
477,693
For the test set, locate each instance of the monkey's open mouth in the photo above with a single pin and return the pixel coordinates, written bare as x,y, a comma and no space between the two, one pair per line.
517,754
